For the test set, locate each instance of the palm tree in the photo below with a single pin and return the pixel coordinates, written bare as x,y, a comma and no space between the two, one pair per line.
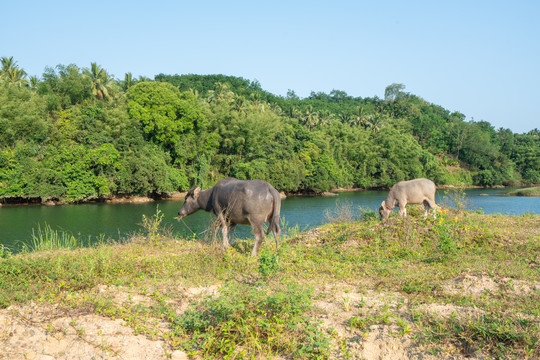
324,117
344,117
310,117
222,91
277,109
128,81
101,81
17,77
239,105
257,101
293,112
10,72
143,79
195,93
376,122
7,65
360,118
34,81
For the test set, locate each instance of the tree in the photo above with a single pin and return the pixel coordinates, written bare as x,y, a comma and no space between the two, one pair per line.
164,111
240,105
221,92
128,81
360,118
23,116
11,73
393,92
324,117
344,117
64,87
34,81
101,82
310,117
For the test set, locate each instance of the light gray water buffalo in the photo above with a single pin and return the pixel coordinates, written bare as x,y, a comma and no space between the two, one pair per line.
236,201
409,192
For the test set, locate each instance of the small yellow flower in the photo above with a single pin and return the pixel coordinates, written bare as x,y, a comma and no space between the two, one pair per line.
455,219
444,211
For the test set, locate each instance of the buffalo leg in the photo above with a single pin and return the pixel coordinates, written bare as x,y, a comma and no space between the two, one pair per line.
258,231
428,205
232,227
426,208
402,211
224,230
276,236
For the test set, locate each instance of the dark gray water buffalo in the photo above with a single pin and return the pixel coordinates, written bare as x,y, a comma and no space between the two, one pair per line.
409,192
236,201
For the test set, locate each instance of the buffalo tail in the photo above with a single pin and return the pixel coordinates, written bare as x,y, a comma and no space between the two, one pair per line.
274,217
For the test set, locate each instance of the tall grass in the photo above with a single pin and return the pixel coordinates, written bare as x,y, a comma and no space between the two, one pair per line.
46,238
456,198
343,213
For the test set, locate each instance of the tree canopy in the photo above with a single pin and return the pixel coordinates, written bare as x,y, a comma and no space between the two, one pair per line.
77,133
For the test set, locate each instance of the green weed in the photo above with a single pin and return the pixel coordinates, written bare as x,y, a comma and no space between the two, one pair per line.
268,264
255,320
152,226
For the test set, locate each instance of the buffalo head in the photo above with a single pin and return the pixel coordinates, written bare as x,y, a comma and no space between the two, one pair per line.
191,204
384,211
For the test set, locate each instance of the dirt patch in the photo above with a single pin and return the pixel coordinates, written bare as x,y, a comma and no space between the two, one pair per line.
476,285
448,310
389,332
44,332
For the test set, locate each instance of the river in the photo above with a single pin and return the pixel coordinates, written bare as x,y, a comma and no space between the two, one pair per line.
89,222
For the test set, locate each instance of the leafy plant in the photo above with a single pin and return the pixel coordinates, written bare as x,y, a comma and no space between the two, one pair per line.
268,264
252,320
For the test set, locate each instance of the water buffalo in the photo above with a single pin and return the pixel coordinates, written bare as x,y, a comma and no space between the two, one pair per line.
236,201
409,192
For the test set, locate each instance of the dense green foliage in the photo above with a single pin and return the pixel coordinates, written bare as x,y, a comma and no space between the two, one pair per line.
77,134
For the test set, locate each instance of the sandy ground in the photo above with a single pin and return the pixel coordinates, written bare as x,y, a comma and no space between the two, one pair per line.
46,332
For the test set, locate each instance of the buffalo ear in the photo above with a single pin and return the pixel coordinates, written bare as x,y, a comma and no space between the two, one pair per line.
196,191
382,204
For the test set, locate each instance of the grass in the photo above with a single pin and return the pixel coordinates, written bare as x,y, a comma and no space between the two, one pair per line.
264,306
501,336
532,191
49,239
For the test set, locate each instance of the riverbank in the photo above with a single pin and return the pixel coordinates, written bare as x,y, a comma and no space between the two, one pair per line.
179,196
462,286
532,191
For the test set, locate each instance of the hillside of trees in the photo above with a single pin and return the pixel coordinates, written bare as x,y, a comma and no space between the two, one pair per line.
76,134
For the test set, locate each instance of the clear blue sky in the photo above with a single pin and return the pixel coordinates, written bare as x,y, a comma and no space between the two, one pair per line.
481,58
